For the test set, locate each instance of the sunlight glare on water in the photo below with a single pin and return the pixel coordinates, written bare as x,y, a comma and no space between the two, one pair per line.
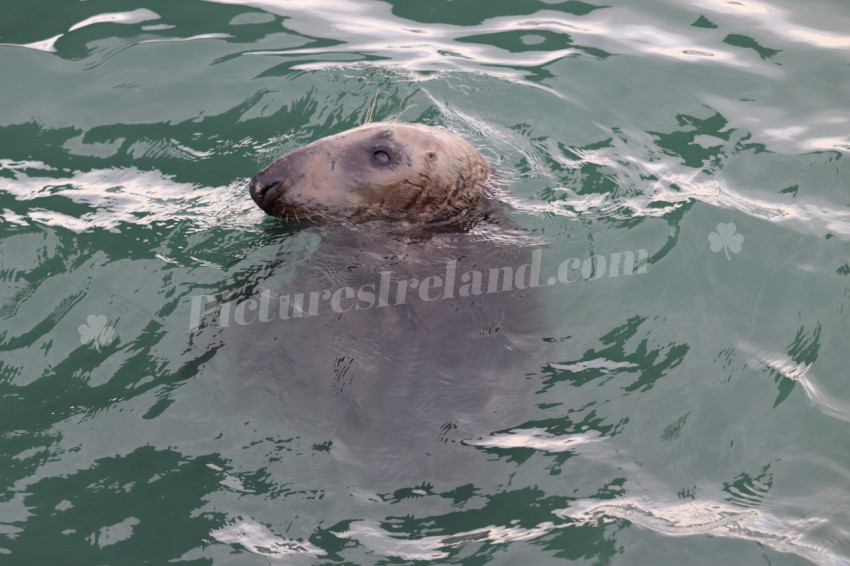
673,391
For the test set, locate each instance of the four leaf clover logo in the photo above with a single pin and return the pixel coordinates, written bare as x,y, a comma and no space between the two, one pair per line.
96,331
726,239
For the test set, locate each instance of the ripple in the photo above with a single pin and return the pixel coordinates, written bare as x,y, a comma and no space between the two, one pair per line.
134,17
128,195
370,28
258,539
777,21
689,519
535,438
715,519
783,365
192,38
371,535
820,38
833,143
739,7
685,519
674,186
48,45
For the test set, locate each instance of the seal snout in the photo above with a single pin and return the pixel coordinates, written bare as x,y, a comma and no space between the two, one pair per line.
269,185
266,191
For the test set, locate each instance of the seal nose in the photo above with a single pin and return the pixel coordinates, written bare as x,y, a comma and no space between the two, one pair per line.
265,191
270,185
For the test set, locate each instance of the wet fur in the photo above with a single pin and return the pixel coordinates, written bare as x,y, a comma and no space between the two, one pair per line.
432,176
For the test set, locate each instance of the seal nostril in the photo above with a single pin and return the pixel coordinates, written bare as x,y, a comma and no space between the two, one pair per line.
256,188
271,192
265,193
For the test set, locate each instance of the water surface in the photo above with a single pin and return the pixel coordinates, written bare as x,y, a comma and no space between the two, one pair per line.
697,411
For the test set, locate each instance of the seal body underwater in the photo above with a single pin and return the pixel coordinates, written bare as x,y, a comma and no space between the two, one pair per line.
415,324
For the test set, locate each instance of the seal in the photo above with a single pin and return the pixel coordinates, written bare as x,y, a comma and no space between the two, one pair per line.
384,171
399,319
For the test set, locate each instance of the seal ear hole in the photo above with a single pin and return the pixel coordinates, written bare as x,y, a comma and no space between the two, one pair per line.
381,157
432,155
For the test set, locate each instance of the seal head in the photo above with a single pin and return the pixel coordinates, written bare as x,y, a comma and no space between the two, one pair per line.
399,172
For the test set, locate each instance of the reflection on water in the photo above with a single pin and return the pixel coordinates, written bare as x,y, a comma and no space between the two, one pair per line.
700,409
715,519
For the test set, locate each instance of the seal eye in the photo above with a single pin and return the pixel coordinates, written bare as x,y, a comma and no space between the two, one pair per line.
381,156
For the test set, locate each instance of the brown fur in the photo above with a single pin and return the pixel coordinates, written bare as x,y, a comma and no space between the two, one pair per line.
425,175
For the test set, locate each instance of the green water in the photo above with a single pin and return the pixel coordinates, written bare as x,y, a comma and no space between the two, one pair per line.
694,413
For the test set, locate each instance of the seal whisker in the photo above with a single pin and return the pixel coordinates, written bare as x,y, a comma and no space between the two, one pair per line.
372,107
417,197
403,110
409,182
